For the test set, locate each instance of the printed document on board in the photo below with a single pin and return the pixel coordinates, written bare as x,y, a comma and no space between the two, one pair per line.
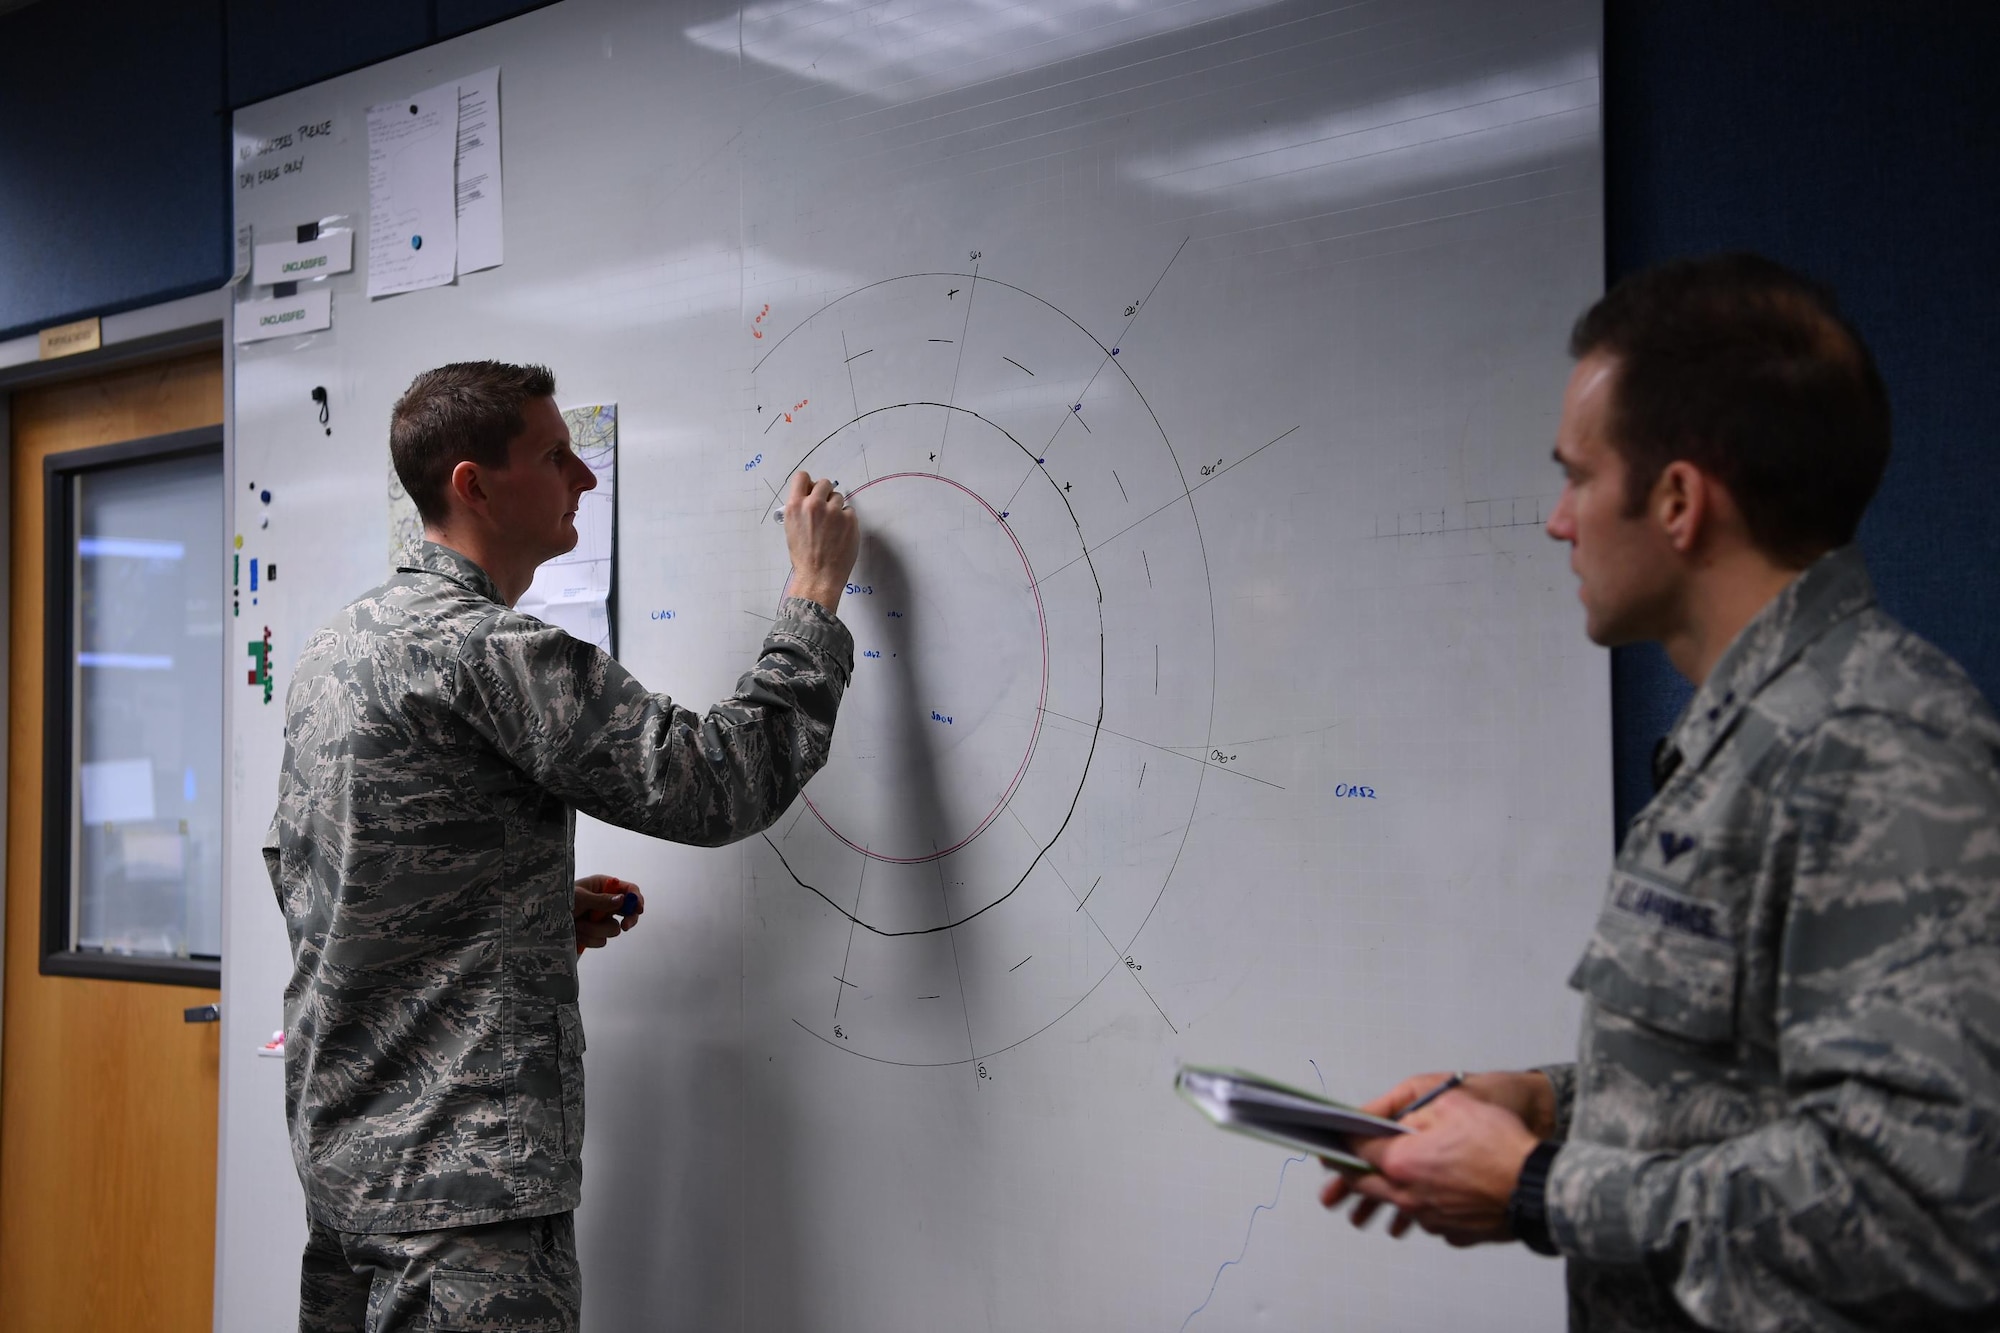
479,232
412,196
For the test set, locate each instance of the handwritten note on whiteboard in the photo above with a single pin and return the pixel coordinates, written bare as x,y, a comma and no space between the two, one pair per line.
412,194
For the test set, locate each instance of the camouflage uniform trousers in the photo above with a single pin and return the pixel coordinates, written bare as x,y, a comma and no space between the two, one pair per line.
516,1276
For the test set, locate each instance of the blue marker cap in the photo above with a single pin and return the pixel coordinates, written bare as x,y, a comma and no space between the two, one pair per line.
628,904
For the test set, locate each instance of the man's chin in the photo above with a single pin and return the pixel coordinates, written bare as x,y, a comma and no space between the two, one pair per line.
1610,634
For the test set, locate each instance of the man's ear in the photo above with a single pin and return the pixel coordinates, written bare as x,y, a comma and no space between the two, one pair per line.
464,483
1683,504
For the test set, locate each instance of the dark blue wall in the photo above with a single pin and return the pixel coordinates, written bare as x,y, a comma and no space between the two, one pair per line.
114,133
1861,144
267,57
114,158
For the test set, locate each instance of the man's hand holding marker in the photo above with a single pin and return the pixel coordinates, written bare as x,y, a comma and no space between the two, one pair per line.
605,906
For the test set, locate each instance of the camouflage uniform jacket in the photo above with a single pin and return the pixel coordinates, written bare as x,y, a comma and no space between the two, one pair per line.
1785,1111
437,747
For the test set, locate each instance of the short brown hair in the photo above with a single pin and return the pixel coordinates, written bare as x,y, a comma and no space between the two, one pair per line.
466,410
1747,370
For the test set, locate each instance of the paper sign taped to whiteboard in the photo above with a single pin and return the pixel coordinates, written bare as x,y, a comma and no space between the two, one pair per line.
412,192
479,235
308,312
293,261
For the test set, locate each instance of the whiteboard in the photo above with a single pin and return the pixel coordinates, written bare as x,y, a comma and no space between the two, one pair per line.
1194,368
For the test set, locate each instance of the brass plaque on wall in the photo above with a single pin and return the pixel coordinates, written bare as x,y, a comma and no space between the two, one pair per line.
83,335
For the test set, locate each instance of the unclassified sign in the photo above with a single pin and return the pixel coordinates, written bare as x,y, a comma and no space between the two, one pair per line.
290,261
308,312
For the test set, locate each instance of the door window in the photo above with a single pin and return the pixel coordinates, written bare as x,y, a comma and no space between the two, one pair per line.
133,803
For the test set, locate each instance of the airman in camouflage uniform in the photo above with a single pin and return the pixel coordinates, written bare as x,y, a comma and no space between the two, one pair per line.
1785,1109
438,746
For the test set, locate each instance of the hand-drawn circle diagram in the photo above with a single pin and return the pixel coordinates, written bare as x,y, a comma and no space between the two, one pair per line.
1019,755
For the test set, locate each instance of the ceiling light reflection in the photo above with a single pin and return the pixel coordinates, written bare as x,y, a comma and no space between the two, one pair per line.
1477,127
685,285
899,50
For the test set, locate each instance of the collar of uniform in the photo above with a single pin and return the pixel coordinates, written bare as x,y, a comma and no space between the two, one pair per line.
1830,590
427,557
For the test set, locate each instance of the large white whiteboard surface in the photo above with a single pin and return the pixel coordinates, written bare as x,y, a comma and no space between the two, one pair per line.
1194,368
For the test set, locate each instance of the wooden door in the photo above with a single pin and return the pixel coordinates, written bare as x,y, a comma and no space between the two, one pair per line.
107,1098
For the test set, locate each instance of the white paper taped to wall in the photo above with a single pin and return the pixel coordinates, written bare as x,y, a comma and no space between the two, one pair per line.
412,208
479,228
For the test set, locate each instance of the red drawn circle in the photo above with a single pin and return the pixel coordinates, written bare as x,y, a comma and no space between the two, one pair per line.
1041,699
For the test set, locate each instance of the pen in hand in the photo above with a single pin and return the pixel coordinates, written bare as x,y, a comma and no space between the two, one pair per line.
1431,1096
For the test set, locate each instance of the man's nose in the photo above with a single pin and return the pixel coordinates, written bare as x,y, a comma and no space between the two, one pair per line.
1559,526
589,477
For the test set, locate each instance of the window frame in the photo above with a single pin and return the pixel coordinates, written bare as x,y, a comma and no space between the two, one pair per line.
59,650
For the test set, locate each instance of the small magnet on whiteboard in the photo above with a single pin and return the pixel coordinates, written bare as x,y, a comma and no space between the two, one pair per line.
308,231
270,573
416,242
265,496
274,1049
280,290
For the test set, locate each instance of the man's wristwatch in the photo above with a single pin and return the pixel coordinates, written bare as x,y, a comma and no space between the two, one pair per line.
1527,1206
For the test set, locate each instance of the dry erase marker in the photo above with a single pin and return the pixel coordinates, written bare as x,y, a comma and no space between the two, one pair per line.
628,903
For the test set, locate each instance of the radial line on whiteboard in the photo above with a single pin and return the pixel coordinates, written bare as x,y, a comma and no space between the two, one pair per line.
1075,410
964,1005
971,291
1178,752
1118,956
855,395
1162,509
852,918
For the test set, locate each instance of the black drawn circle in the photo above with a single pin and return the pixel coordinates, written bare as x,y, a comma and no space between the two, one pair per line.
1118,963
